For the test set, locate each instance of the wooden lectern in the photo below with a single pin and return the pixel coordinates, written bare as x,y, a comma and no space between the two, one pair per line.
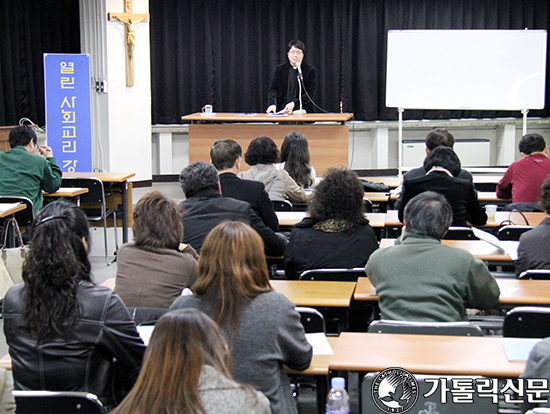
4,137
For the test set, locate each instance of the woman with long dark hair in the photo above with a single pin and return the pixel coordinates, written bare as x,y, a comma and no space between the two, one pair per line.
64,332
295,160
335,233
261,155
186,371
262,327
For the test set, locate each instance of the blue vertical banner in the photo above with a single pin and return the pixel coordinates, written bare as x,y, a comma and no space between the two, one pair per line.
68,113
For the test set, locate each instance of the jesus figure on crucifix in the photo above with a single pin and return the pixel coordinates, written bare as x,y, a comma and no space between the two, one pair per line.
130,24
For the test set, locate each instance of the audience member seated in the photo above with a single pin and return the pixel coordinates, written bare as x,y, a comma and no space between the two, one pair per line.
154,269
437,137
63,332
226,156
335,233
419,279
205,208
262,154
261,326
534,245
23,173
295,160
523,179
538,367
186,369
442,167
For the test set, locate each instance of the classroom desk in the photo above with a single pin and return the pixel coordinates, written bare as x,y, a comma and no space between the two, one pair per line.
316,293
290,218
304,292
68,192
512,291
488,197
118,181
478,248
533,218
12,210
424,354
392,181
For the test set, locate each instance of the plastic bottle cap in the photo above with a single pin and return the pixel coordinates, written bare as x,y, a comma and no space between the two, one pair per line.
338,382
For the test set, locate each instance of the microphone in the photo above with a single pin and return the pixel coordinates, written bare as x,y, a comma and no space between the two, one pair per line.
299,67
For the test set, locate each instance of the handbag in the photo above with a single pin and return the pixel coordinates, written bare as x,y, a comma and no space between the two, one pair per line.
13,257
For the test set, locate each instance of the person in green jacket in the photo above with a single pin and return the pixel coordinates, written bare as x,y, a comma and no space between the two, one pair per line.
421,280
24,173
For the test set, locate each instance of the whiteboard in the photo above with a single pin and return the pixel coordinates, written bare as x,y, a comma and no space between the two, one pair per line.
466,69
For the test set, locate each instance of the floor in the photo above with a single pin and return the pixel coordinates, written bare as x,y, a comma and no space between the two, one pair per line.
101,271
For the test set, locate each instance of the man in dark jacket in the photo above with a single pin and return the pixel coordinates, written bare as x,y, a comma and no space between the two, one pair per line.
205,208
226,156
439,137
283,95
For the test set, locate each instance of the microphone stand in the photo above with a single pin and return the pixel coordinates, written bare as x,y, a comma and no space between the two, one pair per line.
300,111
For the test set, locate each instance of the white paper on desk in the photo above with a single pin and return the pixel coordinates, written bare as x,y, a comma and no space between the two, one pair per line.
508,247
7,206
145,333
518,349
320,344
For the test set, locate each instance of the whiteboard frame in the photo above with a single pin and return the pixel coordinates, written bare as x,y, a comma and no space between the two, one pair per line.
455,69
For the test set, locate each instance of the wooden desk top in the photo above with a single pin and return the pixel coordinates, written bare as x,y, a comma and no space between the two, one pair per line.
67,192
319,363
106,177
478,248
486,179
490,196
315,293
304,292
377,197
424,354
262,117
391,180
290,218
534,219
12,210
512,291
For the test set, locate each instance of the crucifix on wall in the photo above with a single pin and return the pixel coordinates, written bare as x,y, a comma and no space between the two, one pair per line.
130,19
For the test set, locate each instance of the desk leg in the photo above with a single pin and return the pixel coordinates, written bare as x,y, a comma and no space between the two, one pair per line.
125,212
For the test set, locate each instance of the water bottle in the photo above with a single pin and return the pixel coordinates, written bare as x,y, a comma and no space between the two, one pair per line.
337,399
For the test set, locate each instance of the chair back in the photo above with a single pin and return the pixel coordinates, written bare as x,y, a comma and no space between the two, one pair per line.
425,328
279,205
96,192
48,402
512,232
377,172
535,274
24,217
431,403
146,316
527,322
335,275
312,320
460,233
368,205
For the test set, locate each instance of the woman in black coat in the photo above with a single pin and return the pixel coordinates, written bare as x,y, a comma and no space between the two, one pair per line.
335,233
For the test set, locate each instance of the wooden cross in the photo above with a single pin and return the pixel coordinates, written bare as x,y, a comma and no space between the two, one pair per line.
130,19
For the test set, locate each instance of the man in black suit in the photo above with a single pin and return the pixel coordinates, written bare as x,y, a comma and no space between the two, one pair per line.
437,137
442,168
226,156
205,208
284,91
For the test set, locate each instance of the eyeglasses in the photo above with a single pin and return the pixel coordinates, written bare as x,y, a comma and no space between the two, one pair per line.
295,52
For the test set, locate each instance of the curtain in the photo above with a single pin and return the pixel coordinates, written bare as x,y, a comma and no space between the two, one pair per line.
28,29
224,52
